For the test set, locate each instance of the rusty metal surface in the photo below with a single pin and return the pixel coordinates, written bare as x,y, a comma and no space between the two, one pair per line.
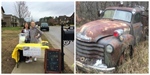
89,51
144,20
112,59
101,27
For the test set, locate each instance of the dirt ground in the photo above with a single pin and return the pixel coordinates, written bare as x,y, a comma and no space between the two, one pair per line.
9,41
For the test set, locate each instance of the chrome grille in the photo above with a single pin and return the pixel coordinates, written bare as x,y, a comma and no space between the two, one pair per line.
90,50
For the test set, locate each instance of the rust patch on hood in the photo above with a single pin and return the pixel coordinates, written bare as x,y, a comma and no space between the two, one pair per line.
103,27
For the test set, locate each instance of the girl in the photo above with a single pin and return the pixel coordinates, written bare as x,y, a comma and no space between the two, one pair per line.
26,30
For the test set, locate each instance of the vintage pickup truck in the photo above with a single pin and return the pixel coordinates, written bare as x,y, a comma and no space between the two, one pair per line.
102,44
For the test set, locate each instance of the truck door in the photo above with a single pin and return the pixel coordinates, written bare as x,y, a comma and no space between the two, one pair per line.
137,27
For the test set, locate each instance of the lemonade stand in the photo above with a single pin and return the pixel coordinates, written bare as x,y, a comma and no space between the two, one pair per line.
29,49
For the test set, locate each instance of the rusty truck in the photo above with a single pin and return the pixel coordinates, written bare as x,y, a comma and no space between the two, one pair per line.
102,44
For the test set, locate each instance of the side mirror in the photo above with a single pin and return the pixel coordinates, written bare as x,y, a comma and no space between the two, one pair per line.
100,13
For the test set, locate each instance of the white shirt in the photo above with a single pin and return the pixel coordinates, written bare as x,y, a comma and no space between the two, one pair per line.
26,31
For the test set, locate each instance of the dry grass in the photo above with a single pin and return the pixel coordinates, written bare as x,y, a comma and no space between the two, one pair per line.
139,62
9,41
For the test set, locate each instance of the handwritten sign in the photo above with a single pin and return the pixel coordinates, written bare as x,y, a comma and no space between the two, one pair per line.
32,51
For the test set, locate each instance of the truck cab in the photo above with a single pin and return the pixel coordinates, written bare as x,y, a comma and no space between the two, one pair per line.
101,43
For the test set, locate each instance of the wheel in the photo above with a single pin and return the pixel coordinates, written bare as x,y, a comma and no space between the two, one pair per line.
120,61
47,29
40,29
126,54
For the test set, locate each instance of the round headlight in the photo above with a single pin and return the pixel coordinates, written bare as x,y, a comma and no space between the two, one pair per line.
121,38
109,48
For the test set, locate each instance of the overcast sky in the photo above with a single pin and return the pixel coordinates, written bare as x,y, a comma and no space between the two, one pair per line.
43,9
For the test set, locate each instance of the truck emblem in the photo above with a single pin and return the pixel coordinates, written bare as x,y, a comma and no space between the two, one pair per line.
82,59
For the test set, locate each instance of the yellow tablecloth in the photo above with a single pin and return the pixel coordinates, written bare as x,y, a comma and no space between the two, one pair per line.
15,52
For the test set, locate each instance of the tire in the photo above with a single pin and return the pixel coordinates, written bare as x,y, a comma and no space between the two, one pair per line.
40,29
47,29
126,54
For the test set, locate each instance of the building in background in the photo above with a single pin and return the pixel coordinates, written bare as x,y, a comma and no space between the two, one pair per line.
63,19
10,20
58,20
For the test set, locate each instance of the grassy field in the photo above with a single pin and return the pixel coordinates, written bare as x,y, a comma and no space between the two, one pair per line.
139,62
9,41
12,28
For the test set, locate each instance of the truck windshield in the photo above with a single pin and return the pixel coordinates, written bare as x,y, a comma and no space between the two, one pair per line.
118,14
44,24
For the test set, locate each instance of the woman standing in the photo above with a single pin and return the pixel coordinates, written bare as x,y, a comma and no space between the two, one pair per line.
35,34
26,30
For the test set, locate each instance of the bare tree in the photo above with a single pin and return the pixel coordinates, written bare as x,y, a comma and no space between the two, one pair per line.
22,11
87,11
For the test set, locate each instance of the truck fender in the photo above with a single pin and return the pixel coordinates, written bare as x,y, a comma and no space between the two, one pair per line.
111,59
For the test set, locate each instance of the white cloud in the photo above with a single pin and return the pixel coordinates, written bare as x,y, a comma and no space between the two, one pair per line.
42,9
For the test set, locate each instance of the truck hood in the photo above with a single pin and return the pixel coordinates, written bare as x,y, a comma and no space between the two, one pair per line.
101,28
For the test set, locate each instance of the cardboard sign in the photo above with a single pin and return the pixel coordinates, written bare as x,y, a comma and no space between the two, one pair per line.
32,51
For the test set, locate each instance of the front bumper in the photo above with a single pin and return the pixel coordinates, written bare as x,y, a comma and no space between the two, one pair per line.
44,28
89,68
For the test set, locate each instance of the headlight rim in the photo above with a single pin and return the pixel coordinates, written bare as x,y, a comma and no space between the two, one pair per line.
107,50
121,38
